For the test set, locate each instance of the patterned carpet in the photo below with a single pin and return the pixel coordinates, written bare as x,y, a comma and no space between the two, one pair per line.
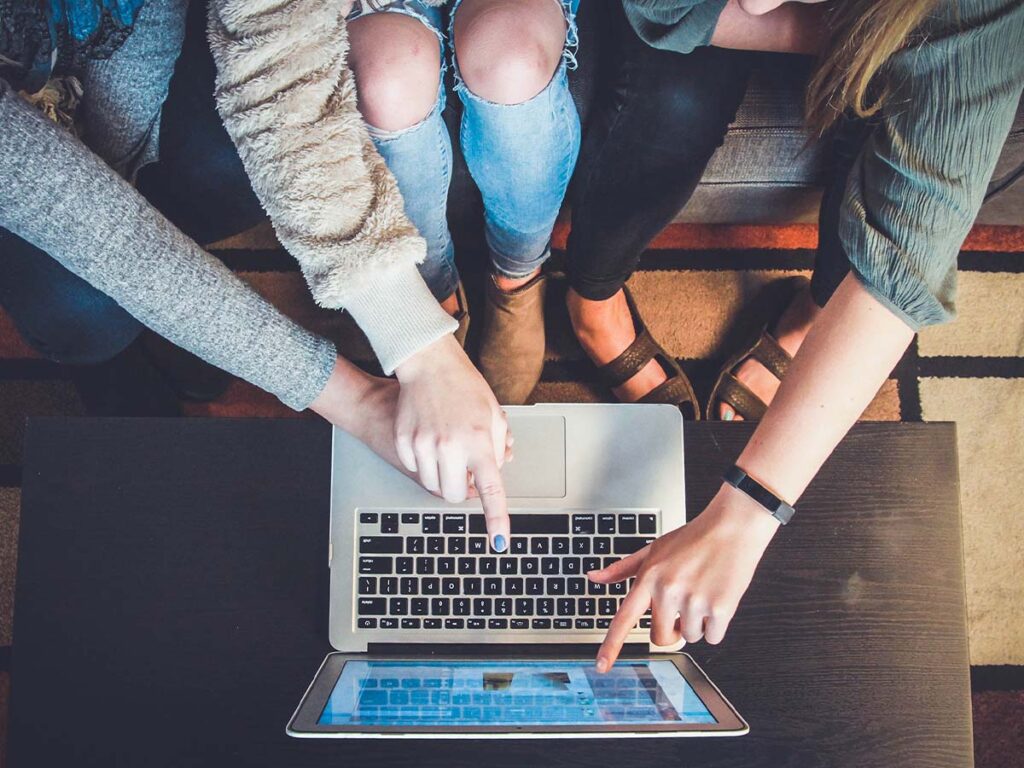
692,288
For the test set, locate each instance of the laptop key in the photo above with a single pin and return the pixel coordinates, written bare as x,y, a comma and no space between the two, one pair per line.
540,546
529,566
645,622
368,518
403,565
586,606
409,585
566,606
431,523
541,624
591,564
389,522
603,623
380,545
419,606
503,606
475,624
410,518
454,623
576,586
549,565
618,588
367,623
477,545
497,623
398,606
508,565
513,586
453,522
535,586
606,523
424,566
518,546
482,606
375,565
563,623
546,606
627,523
415,545
431,623
372,606
607,606
439,606
410,623
488,566
466,566
389,586
584,623
430,585
560,545
581,546
593,588
456,545
492,586
627,545
472,586
389,623
519,624
556,586
602,545
445,565
648,524
435,545
524,606
450,586
367,585
461,606
582,524
571,566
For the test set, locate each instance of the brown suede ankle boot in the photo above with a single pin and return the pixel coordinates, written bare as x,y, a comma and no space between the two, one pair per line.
512,348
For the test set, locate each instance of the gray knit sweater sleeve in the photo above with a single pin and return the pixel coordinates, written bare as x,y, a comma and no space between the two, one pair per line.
916,187
62,198
288,100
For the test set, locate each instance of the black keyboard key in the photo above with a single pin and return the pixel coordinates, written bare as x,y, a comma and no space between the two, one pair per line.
518,545
540,546
583,524
367,585
445,565
492,586
389,586
461,606
475,624
368,518
556,586
560,545
375,565
389,522
618,588
456,545
398,606
431,623
527,524
430,585
409,585
415,545
586,606
409,623
439,606
584,623
488,566
410,518
607,606
503,606
529,566
519,624
603,623
648,524
497,623
606,524
514,586
372,606
645,622
367,623
472,586
419,606
580,546
606,561
424,566
450,586
549,565
545,606
566,606
453,522
541,624
389,623
571,566
403,565
627,545
535,586
593,588
435,545
466,566
454,623
524,606
482,606
627,523
602,545
576,586
591,564
431,523
508,565
477,545
563,623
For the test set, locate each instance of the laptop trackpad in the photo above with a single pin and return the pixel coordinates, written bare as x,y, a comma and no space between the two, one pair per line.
539,467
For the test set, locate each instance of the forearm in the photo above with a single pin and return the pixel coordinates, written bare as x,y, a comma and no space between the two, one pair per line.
790,28
847,356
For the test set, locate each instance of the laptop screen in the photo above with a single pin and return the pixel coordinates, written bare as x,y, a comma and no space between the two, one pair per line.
467,693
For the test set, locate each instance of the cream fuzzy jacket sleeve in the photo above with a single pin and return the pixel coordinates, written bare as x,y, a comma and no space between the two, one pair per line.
288,100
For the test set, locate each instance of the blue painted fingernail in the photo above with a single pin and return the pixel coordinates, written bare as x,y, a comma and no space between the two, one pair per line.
728,416
499,543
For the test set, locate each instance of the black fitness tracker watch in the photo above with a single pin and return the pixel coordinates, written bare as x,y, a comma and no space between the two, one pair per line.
775,506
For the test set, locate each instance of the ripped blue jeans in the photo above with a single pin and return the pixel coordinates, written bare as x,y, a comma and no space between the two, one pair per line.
521,157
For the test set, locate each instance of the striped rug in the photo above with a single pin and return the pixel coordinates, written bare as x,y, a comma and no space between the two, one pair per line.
692,288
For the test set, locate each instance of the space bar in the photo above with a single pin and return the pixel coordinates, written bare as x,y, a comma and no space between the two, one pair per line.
526,523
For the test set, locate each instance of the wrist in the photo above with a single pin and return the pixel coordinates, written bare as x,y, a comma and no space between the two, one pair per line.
338,401
427,360
743,516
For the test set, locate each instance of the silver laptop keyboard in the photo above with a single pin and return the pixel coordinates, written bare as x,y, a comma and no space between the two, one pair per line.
435,570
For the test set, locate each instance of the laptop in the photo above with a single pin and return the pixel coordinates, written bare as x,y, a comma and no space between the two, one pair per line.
438,635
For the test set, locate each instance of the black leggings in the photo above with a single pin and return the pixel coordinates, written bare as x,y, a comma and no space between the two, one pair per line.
657,119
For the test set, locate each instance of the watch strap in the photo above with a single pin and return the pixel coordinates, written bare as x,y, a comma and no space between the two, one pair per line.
772,504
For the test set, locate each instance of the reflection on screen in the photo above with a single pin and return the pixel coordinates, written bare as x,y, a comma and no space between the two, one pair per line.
423,693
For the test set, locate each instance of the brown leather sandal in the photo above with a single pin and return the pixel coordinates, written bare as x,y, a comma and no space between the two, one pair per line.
765,349
677,390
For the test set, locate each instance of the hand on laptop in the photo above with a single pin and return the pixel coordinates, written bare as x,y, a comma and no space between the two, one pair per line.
692,578
452,433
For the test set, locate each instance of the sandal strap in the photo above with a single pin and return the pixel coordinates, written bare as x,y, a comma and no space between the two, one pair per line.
632,360
769,353
734,392
675,391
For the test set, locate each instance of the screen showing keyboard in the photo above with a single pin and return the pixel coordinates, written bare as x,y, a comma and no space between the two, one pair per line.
436,570
544,693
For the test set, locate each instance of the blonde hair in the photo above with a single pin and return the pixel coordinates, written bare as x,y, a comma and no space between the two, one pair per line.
862,36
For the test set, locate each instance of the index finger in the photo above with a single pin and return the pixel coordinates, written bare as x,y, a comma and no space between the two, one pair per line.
491,489
629,613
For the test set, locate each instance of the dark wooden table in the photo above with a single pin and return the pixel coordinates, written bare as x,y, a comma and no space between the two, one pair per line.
171,607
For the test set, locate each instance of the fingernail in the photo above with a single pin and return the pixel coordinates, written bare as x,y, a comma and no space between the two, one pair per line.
499,543
602,664
728,416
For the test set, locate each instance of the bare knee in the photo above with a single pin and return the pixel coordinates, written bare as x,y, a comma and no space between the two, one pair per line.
508,50
397,66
